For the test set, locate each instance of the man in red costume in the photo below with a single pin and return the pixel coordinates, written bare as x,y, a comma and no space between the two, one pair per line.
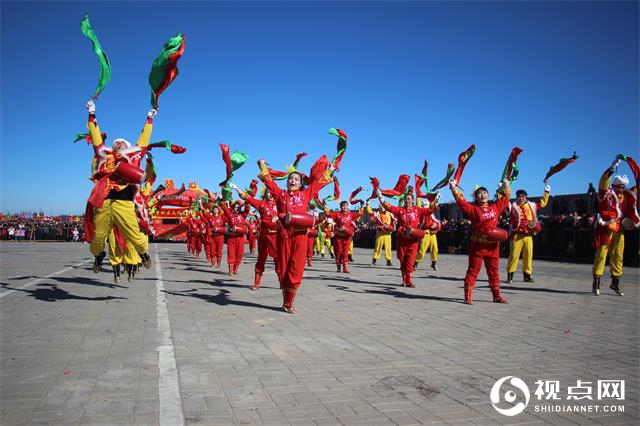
268,230
345,227
485,236
617,211
385,224
292,241
523,219
111,200
411,222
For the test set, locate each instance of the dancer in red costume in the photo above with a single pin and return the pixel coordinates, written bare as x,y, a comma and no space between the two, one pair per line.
345,227
268,230
200,234
206,238
252,233
237,229
186,219
485,236
410,221
111,200
292,241
216,227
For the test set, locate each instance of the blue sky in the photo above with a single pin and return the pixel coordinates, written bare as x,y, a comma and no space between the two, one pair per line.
407,81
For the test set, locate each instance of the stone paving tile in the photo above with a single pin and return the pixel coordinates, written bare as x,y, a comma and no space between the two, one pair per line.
361,350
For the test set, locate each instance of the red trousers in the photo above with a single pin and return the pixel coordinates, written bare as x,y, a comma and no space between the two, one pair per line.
291,258
490,255
266,247
235,250
197,244
310,243
207,248
407,251
189,243
252,243
216,243
341,249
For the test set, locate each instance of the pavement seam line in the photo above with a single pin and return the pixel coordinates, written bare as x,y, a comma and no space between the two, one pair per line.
171,413
29,284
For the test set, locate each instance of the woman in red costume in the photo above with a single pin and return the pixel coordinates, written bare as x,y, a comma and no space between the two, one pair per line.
410,221
237,229
252,233
345,227
200,234
291,240
485,236
268,230
216,225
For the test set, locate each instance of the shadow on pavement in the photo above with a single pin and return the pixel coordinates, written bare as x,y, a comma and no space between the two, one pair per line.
26,277
544,290
346,278
221,299
214,283
390,291
85,281
53,294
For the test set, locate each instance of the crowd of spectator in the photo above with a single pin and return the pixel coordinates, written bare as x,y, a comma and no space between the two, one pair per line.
40,227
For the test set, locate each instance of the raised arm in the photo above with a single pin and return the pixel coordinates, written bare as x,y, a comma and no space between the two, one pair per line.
545,197
245,196
504,196
358,214
145,135
92,125
227,212
465,206
605,179
266,178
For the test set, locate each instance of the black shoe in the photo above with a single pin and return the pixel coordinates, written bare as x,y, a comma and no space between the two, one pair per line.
595,287
373,262
332,256
322,254
433,266
389,263
116,273
146,260
131,272
350,258
528,278
97,262
615,286
415,265
509,279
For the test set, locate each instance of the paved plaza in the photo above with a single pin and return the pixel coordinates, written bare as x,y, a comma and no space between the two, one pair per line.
188,344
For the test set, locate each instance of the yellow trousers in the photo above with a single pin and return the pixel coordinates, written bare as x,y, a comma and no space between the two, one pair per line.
521,243
616,249
117,256
120,213
350,248
430,243
327,243
382,240
319,246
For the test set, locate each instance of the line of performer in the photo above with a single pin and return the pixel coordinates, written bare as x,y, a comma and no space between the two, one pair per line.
290,224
